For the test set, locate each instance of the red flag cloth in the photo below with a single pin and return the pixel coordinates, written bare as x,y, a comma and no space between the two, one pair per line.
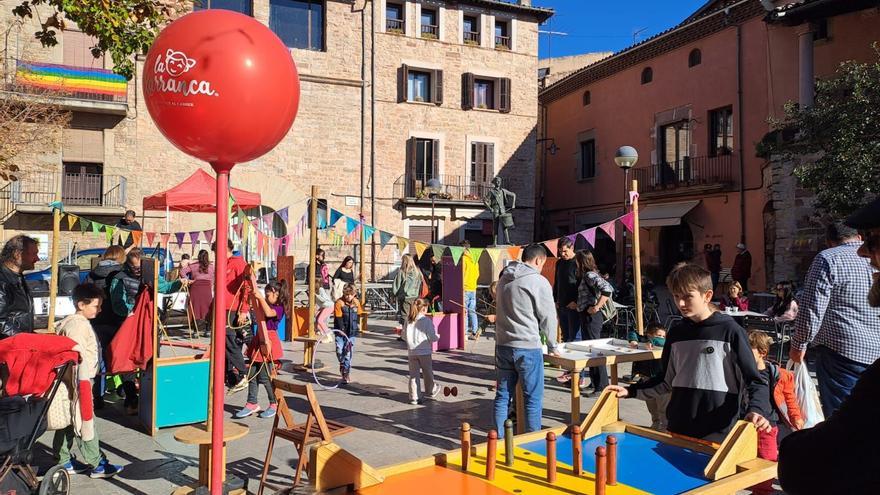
31,359
132,346
628,221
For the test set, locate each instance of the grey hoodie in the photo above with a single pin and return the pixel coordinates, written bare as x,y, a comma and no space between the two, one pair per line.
525,307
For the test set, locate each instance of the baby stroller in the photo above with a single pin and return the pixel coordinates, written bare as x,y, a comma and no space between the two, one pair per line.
32,368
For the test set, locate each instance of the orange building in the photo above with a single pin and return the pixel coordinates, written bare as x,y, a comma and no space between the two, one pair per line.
694,101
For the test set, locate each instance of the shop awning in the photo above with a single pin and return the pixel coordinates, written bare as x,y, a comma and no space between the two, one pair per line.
663,214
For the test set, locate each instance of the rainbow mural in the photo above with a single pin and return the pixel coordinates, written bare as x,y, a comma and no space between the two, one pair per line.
67,79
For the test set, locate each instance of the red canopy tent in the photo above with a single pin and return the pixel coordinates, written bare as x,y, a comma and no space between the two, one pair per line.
197,194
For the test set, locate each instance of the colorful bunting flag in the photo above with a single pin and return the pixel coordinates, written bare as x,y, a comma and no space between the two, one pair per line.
179,236
551,246
514,251
401,243
384,238
437,250
456,252
589,235
420,248
476,253
136,235
608,228
237,228
124,235
573,238
109,231
194,238
335,215
150,237
282,214
351,224
494,253
163,238
628,221
368,231
96,227
84,225
71,221
209,235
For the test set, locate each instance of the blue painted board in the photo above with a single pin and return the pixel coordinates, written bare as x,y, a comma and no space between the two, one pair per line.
643,463
182,391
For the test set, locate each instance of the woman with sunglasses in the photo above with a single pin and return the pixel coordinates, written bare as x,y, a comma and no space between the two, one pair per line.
785,308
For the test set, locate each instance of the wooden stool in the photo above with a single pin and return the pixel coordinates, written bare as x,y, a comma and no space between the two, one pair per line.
363,316
199,435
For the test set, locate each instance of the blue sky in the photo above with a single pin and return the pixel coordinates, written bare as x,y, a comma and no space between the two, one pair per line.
607,25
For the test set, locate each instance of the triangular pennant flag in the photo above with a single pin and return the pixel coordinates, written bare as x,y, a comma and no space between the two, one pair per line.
109,231
322,221
476,253
438,250
350,225
514,251
335,215
590,236
179,236
268,218
628,220
71,221
96,227
282,214
494,253
123,235
456,252
136,236
608,228
84,225
237,229
209,235
368,231
420,248
194,237
245,229
163,238
384,238
573,238
150,237
401,243
551,246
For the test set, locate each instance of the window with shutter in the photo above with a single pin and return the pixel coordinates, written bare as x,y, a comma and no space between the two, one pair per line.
504,92
467,91
482,165
418,86
402,83
437,93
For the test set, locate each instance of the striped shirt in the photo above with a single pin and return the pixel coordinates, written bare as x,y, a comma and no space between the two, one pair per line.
833,309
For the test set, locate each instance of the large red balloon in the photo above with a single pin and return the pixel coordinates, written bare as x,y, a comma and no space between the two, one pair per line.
221,86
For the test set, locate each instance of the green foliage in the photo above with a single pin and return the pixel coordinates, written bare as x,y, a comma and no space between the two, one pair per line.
837,140
124,28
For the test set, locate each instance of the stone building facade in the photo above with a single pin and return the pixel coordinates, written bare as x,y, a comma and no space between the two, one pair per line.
454,98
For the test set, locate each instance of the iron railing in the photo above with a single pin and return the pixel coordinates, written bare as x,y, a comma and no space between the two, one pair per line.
502,42
394,25
77,189
453,187
472,37
65,81
430,31
687,172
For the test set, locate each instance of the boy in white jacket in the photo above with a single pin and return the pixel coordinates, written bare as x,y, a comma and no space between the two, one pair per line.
87,298
420,337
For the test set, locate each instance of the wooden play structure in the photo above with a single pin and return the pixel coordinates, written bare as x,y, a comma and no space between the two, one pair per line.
629,460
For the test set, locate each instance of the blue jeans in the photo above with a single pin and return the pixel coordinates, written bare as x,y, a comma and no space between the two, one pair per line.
512,365
344,354
470,304
837,376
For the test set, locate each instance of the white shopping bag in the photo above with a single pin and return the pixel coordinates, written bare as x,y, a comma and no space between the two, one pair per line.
807,397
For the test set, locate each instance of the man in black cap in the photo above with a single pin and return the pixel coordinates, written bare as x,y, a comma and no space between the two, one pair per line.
806,462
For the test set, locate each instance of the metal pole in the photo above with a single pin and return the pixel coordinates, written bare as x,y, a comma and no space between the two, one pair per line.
313,267
637,267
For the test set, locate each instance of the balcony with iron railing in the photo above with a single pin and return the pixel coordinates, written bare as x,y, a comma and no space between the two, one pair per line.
395,26
687,176
502,42
430,31
75,88
457,188
80,192
472,37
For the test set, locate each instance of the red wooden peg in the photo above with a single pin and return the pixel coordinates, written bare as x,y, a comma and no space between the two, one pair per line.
611,442
465,445
551,457
601,470
491,453
577,448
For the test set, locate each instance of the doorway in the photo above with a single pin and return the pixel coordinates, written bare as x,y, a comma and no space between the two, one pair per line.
676,246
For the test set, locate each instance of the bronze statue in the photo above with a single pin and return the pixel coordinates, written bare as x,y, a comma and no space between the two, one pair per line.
501,203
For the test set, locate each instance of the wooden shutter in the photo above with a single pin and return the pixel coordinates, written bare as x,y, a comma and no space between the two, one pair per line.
467,91
82,145
504,93
490,161
403,84
437,92
435,152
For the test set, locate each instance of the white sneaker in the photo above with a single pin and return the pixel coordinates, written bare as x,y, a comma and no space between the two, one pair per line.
436,391
241,385
415,402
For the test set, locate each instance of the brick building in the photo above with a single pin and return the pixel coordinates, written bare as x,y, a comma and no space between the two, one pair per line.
694,101
449,92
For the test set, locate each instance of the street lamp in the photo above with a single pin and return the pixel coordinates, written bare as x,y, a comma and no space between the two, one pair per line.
625,158
433,186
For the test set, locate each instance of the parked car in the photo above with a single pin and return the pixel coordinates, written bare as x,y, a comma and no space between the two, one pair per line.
38,281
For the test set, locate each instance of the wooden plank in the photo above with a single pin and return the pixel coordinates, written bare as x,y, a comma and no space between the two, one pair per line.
669,439
749,473
404,467
331,466
604,412
740,445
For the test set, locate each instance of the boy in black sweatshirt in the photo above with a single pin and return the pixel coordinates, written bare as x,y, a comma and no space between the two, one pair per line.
706,364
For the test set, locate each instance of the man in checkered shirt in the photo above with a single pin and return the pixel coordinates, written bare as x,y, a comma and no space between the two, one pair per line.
834,316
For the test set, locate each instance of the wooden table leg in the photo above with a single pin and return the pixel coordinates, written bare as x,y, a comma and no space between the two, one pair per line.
520,409
575,396
205,463
614,376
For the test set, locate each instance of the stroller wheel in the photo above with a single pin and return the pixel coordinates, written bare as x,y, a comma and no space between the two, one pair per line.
55,482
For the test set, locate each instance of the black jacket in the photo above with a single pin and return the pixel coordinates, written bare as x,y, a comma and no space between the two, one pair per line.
16,305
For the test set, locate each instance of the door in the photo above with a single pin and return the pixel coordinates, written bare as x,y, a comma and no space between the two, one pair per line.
674,148
83,184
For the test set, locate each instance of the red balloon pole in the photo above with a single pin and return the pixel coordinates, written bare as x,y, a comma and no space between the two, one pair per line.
219,331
